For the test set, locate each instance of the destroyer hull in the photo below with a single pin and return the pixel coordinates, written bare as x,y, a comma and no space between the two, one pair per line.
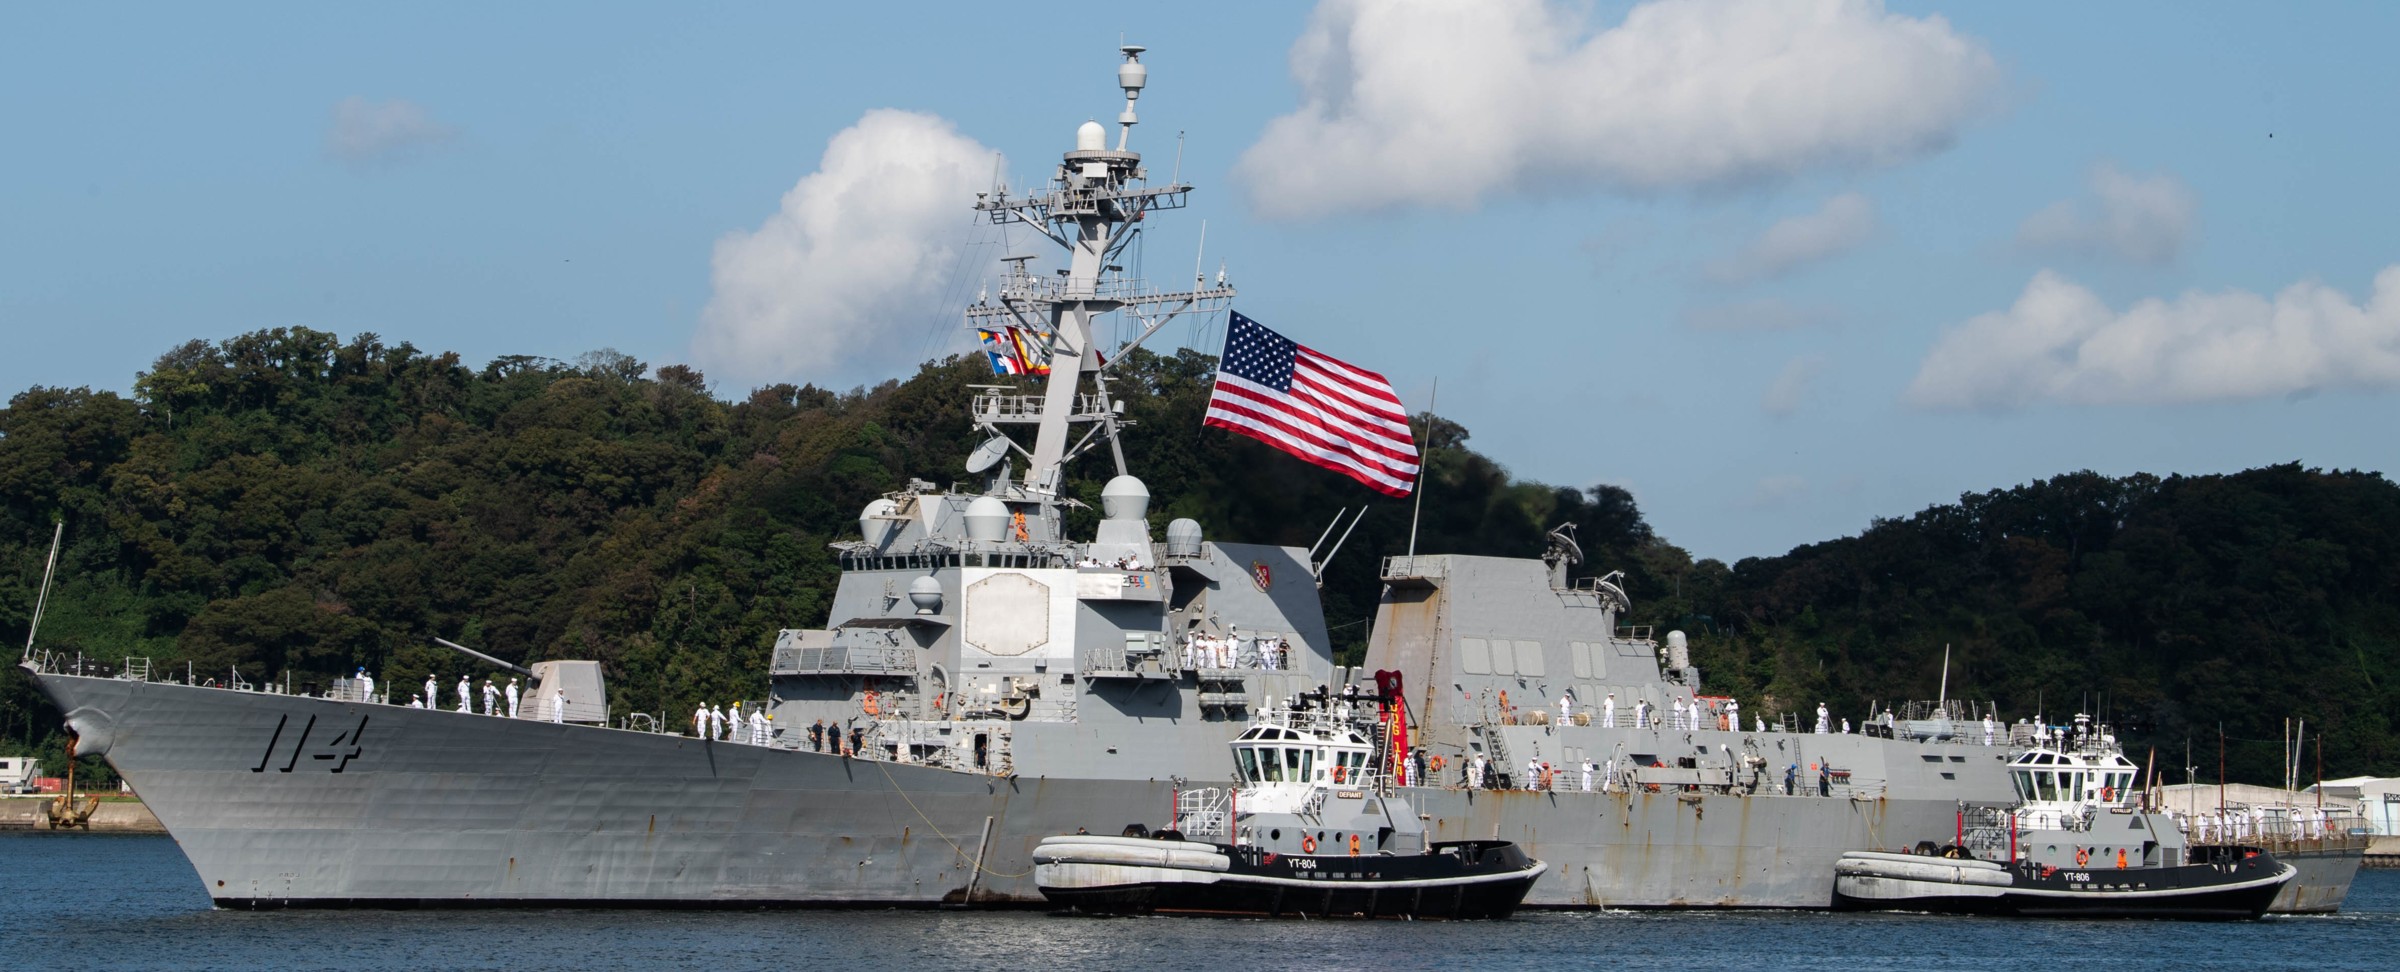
289,801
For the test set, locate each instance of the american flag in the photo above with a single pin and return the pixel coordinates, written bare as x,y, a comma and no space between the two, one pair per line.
1323,410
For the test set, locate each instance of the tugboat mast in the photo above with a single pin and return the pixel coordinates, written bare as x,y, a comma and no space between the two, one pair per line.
1093,207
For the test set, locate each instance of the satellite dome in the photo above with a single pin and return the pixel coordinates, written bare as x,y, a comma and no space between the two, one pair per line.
926,594
1183,538
1091,137
1125,498
871,522
987,519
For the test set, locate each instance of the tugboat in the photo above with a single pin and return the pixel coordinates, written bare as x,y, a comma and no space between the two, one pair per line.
1315,829
2079,843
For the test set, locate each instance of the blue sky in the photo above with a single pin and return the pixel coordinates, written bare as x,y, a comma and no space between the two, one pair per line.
1780,268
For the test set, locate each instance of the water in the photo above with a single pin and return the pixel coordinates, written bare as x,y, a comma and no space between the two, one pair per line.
103,902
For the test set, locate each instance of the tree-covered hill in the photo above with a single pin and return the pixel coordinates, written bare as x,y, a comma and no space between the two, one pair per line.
285,504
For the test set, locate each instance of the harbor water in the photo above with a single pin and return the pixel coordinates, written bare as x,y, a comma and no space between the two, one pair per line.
132,902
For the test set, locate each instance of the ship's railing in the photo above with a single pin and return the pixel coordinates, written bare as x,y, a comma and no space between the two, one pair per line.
136,669
544,710
1009,407
1131,661
1204,812
843,659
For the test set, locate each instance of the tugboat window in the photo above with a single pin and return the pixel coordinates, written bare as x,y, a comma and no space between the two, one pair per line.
1249,764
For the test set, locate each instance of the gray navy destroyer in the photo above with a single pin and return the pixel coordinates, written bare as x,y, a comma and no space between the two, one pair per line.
989,681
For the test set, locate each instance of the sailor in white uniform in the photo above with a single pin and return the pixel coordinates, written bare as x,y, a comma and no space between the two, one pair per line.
1566,709
366,684
512,697
558,705
1987,728
1845,727
1762,723
700,721
1608,711
716,722
1824,719
491,697
758,727
1733,715
1587,774
433,693
465,693
1676,719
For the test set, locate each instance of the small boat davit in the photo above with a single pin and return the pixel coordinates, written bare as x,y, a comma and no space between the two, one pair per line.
2081,842
1314,830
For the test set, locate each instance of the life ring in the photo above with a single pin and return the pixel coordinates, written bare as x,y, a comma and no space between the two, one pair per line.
1337,773
1653,787
1354,845
872,705
1308,844
2083,857
2108,794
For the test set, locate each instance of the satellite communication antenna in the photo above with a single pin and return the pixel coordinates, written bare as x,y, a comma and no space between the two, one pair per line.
988,454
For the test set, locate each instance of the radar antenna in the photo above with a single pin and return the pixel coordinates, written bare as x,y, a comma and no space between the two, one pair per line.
1094,206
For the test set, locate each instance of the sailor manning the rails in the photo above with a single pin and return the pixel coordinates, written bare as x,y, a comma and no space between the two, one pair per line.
1987,728
1587,774
491,697
1824,719
1608,711
464,695
512,697
700,721
433,693
558,705
758,727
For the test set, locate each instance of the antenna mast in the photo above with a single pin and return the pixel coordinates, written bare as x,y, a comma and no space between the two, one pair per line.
1093,207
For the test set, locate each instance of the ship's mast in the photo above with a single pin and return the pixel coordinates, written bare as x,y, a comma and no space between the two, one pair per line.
1092,208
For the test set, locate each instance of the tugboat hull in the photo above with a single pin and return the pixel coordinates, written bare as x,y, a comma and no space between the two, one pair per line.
2237,890
1142,876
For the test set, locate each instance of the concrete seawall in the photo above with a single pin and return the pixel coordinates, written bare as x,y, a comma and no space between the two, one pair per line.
113,817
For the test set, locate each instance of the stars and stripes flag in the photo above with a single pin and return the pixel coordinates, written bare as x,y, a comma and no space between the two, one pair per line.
1316,407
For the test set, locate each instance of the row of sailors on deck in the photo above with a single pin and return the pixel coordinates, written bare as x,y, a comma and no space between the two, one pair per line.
1127,562
2237,824
1692,714
712,722
431,698
1210,651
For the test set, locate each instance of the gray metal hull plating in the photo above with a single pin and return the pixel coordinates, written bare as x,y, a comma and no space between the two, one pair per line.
292,801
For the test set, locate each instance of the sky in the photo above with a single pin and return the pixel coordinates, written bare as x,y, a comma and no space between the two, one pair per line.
1780,267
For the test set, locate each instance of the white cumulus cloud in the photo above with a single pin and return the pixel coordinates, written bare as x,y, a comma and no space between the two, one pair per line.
2144,219
840,278
1444,102
379,131
1844,222
2060,343
1790,388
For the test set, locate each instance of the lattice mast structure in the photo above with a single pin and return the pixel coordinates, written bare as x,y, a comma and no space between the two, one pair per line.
1093,208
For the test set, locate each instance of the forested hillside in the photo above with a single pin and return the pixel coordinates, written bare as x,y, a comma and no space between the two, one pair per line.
285,502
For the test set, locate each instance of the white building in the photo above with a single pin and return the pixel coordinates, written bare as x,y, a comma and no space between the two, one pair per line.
2377,799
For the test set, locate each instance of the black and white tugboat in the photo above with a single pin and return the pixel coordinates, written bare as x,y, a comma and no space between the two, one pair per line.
2082,842
1315,829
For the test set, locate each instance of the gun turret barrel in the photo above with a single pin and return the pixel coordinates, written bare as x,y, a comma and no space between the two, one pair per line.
447,643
